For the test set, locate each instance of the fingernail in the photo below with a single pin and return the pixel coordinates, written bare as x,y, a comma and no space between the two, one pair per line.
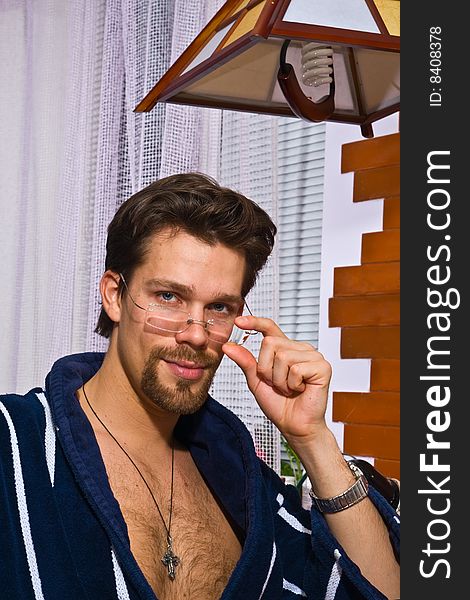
243,320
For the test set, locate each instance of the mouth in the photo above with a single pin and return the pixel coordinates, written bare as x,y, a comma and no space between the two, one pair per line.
185,369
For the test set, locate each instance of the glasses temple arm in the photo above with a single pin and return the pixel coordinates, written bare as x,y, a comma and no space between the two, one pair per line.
130,296
249,332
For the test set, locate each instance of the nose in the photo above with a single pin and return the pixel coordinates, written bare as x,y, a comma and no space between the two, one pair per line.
195,334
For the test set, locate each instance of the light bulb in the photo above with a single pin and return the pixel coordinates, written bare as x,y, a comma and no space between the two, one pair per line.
316,64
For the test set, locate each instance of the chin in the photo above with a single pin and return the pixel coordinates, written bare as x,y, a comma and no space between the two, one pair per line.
182,397
175,394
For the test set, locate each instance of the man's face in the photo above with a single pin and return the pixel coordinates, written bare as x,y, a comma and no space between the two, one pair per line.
175,371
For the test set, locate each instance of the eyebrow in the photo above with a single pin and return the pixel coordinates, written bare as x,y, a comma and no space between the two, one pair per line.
188,290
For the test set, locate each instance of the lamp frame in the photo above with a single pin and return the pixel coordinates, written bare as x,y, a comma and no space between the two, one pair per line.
269,24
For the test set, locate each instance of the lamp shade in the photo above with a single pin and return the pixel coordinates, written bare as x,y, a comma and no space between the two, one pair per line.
336,60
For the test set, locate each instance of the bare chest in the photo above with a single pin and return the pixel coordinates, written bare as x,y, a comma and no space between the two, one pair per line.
203,539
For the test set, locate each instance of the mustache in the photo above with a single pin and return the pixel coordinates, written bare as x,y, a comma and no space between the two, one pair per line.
200,357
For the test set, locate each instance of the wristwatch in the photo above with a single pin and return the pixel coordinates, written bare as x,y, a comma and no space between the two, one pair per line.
354,494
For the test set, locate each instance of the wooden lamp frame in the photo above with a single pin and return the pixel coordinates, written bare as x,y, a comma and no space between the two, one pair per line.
270,24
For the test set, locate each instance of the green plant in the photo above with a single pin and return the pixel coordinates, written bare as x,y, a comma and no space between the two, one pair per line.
292,466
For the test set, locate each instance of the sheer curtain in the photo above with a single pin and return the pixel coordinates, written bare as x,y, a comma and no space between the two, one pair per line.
46,137
72,150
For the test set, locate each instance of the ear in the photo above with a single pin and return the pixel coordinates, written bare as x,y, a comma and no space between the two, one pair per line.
110,296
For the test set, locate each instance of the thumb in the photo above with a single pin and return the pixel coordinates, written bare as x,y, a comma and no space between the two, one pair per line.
245,360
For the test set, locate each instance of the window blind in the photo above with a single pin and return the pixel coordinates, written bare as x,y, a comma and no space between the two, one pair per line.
300,175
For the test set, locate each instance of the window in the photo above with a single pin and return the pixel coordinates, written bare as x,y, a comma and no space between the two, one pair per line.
301,148
279,164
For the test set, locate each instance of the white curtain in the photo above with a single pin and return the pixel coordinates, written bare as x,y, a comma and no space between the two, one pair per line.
37,68
72,150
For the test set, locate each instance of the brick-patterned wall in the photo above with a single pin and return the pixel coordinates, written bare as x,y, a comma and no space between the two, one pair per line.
366,306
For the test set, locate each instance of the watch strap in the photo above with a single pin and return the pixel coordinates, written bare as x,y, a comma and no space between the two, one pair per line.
354,494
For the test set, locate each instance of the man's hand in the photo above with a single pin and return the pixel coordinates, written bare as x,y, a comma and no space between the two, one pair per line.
290,383
289,380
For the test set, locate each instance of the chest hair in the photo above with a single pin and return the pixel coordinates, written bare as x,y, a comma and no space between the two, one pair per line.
203,538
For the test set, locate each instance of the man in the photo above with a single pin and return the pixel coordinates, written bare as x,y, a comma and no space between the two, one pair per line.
123,479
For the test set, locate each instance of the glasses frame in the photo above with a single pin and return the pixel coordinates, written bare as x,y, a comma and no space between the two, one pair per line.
190,321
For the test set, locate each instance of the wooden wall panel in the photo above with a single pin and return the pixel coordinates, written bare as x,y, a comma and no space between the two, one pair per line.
391,213
381,247
370,342
380,441
379,408
390,467
385,375
376,152
357,311
373,278
376,183
366,305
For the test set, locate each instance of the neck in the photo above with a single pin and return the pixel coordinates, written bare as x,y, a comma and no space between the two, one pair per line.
128,415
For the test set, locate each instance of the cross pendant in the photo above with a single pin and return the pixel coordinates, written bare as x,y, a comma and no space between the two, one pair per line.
170,560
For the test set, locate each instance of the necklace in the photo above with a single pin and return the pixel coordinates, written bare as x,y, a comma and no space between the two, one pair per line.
169,559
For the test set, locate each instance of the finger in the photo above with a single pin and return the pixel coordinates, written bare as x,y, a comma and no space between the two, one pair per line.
261,324
276,348
316,372
279,372
295,378
266,359
245,360
286,359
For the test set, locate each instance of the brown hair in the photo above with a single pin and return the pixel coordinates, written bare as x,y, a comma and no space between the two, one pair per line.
198,205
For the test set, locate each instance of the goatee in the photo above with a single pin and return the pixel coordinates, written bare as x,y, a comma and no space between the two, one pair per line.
185,397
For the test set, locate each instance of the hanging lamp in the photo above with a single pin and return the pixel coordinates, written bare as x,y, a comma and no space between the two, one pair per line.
320,60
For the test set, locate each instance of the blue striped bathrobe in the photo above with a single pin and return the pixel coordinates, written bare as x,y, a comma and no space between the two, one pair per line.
63,536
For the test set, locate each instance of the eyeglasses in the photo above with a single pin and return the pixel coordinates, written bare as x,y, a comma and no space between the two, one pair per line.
168,320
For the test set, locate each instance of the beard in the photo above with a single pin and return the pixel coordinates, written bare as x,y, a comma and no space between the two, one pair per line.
184,397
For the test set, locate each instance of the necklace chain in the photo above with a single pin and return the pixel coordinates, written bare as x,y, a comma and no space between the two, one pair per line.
170,560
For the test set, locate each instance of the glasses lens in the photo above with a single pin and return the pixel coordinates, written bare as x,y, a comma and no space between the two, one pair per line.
226,332
219,331
239,336
171,321
165,319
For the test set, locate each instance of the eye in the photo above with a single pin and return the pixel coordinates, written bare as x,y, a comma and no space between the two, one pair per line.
222,309
166,297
